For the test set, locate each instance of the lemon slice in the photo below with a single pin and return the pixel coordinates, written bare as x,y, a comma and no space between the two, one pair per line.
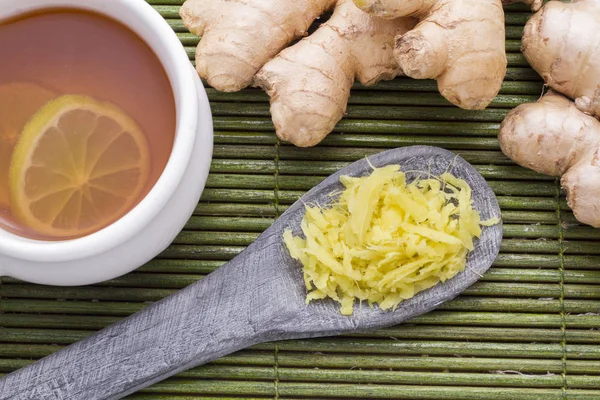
18,102
79,165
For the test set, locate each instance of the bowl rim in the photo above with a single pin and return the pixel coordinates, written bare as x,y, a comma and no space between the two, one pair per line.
142,19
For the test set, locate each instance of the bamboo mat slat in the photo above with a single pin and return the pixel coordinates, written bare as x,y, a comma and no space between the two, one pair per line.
530,329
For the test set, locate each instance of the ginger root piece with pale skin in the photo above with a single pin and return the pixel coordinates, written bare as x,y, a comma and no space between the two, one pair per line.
562,43
554,138
309,83
460,43
240,36
557,136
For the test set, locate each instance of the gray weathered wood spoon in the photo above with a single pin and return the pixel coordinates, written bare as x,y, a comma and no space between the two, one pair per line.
257,297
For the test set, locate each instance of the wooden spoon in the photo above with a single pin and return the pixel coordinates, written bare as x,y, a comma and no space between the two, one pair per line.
256,297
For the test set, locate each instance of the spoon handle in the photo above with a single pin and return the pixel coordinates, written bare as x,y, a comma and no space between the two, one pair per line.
207,320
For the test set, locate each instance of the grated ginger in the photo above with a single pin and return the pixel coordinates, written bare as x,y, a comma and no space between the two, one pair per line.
384,240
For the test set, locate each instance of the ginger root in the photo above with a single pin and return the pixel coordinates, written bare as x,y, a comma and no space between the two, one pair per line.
554,138
561,43
240,36
460,43
309,83
557,136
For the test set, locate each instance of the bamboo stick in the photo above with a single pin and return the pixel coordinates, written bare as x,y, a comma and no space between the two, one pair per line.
229,224
410,363
254,102
532,290
405,378
441,348
389,127
181,266
437,393
520,305
216,238
471,333
238,210
386,112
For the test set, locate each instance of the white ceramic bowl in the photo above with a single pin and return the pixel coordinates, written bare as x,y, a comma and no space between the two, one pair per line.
151,226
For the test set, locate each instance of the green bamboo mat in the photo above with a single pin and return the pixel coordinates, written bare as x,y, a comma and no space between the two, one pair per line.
528,330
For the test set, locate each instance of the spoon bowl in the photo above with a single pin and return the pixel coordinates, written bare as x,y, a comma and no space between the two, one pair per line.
258,296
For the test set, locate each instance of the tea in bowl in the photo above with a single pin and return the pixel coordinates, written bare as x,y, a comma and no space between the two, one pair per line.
105,139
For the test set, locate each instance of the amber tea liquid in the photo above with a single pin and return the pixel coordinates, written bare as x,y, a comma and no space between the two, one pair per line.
89,161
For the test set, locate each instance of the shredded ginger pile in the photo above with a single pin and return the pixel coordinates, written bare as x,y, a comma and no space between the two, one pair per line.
384,240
